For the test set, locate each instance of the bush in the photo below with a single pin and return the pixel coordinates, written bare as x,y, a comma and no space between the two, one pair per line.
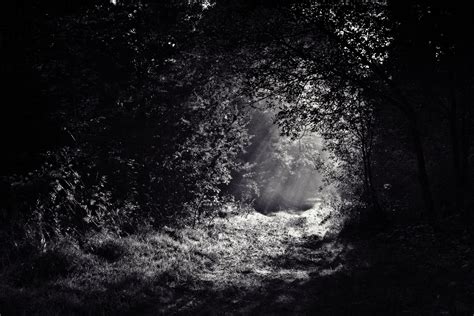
65,197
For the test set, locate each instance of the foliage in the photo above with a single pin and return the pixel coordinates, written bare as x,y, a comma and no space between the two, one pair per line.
66,196
140,138
278,172
352,72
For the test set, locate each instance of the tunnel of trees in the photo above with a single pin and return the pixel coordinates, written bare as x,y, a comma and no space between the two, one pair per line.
119,115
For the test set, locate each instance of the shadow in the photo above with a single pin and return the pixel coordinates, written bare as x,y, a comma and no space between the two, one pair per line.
386,277
278,204
382,287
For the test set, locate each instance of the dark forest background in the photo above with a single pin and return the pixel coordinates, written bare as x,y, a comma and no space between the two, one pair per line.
120,116
118,113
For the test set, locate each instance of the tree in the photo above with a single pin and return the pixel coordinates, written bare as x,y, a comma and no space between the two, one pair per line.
312,55
142,138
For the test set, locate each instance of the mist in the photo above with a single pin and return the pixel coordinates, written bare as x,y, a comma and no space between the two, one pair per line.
288,173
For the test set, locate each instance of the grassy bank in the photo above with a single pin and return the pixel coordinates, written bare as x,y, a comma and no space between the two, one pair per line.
281,263
165,272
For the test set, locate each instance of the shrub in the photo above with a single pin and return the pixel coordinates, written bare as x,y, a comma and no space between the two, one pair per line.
65,197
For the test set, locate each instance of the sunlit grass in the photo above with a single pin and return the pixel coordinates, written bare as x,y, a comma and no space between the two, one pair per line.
107,273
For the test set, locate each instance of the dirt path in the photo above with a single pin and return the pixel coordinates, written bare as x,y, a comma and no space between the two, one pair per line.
294,267
272,259
241,264
283,263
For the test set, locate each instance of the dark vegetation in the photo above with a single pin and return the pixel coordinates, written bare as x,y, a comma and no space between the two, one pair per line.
139,138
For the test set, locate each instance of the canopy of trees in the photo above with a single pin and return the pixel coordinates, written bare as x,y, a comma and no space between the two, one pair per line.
127,113
388,83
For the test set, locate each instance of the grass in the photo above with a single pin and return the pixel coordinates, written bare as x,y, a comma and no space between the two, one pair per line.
283,263
168,271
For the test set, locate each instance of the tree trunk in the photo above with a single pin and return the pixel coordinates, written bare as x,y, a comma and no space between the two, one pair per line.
423,178
368,180
459,120
465,149
456,141
373,192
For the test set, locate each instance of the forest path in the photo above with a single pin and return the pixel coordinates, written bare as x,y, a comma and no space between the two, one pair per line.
242,264
268,262
287,262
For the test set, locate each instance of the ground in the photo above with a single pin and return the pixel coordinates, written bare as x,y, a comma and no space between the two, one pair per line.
286,262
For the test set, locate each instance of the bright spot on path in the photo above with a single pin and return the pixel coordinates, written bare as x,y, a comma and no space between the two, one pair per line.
286,246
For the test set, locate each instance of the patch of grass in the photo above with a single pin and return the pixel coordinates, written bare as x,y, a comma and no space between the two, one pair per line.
106,247
247,264
173,270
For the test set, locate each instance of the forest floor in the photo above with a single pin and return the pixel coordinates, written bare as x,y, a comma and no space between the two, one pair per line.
281,263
